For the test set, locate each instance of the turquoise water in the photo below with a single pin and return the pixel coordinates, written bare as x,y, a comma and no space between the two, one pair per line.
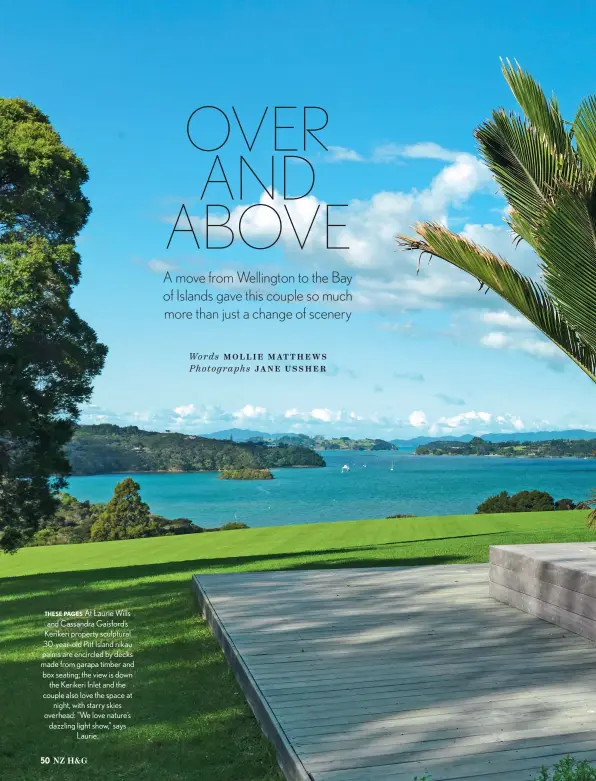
428,485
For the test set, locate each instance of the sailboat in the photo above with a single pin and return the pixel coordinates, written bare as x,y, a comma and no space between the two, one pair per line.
391,470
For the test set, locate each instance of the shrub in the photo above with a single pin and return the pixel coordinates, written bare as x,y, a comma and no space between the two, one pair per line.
521,502
177,526
565,504
233,525
568,769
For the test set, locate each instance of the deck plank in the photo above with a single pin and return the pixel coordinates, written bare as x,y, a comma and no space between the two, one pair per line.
381,674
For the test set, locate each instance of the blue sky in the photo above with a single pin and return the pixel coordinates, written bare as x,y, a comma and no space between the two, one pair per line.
404,85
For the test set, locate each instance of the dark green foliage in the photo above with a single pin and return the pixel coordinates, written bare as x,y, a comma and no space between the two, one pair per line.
40,178
500,503
401,515
233,525
568,769
125,516
107,448
176,526
71,523
48,355
523,501
565,504
246,474
73,520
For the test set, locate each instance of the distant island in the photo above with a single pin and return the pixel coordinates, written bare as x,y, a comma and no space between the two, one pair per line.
552,448
516,436
321,443
246,474
107,448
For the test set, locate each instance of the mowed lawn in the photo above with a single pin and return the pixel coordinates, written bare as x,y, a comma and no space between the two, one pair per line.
189,719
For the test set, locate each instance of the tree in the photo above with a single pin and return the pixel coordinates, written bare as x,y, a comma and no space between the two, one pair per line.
565,504
125,516
499,503
532,501
48,355
546,170
521,502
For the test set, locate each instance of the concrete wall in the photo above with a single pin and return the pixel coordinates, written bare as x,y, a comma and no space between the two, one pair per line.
555,582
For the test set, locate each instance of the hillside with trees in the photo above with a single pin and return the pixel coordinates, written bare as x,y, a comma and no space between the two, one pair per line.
107,448
553,448
322,443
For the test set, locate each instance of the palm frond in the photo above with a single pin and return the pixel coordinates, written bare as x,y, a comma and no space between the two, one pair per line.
543,114
591,502
492,271
522,164
584,130
566,242
525,166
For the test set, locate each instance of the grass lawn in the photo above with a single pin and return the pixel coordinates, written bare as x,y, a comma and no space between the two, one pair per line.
189,719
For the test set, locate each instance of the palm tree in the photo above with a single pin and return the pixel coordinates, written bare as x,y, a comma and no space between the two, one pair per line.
546,169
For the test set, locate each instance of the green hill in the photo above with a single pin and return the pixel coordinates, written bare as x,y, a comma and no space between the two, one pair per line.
107,448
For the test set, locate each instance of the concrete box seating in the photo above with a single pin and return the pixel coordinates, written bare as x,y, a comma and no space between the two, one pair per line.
555,582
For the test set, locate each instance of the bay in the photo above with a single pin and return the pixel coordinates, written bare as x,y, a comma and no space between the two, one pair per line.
421,485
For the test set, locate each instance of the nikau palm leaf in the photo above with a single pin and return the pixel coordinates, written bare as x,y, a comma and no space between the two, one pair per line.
546,170
527,296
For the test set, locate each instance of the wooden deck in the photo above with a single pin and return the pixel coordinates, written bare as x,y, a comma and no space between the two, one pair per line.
384,674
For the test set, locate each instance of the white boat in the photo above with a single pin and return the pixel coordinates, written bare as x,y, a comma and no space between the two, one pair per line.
345,468
391,470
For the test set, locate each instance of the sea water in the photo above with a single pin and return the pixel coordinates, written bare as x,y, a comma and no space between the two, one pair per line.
421,485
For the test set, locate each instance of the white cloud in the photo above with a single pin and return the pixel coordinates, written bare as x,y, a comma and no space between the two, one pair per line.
386,153
322,415
536,347
465,417
251,412
512,420
338,154
429,151
477,421
417,418
504,319
160,266
542,349
495,339
325,415
185,409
